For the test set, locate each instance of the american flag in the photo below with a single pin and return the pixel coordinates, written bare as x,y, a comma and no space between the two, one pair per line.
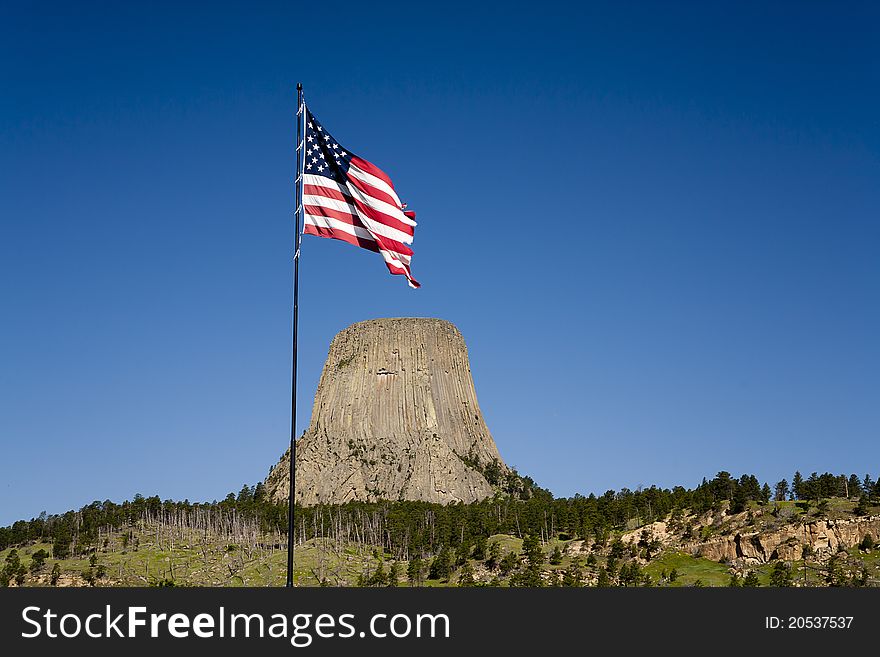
349,199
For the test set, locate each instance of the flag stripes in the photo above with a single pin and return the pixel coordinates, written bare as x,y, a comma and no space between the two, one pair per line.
350,199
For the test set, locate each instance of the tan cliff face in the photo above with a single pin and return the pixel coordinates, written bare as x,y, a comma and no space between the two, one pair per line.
395,417
823,537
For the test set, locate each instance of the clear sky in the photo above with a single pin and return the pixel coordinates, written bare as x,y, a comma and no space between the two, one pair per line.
657,226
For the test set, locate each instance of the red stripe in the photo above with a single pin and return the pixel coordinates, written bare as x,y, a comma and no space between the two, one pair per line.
320,231
372,169
341,235
372,213
394,269
383,218
369,190
354,220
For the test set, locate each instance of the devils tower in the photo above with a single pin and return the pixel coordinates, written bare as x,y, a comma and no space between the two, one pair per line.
395,417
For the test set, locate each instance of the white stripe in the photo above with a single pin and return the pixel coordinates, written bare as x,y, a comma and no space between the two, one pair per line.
395,258
370,179
380,184
335,224
398,260
371,224
366,199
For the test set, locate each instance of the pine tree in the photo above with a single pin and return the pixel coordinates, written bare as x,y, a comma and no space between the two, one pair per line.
530,574
811,488
797,486
379,577
630,574
574,574
738,503
56,574
781,491
466,575
259,493
61,546
833,574
781,575
493,556
527,576
415,571
394,574
479,552
38,558
854,487
89,576
10,568
751,579
462,553
508,563
441,566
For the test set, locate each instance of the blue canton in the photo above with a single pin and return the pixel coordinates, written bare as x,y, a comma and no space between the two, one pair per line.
324,156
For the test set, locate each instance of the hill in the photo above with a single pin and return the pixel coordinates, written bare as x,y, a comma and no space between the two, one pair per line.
656,537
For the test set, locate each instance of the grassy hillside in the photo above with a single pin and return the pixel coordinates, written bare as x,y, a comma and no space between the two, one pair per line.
160,554
724,531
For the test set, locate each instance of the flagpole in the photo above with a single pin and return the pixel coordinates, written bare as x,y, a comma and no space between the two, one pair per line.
291,528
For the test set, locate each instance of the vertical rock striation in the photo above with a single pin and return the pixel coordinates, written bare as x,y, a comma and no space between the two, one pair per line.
395,417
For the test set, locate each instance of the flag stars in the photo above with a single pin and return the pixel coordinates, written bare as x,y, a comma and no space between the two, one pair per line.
329,162
325,153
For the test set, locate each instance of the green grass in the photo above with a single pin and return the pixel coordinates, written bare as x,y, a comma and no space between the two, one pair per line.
196,561
690,569
508,543
210,564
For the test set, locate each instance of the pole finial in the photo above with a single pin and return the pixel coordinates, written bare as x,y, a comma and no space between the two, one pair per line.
299,86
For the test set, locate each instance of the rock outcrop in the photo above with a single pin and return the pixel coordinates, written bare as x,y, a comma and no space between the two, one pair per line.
824,537
395,417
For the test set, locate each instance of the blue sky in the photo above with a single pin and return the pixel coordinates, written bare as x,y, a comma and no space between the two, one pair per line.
656,225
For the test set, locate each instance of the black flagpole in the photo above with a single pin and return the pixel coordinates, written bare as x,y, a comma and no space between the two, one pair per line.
300,118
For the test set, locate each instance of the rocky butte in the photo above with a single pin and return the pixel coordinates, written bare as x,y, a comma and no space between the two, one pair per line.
395,417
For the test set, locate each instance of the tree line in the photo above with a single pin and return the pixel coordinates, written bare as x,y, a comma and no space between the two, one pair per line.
408,529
